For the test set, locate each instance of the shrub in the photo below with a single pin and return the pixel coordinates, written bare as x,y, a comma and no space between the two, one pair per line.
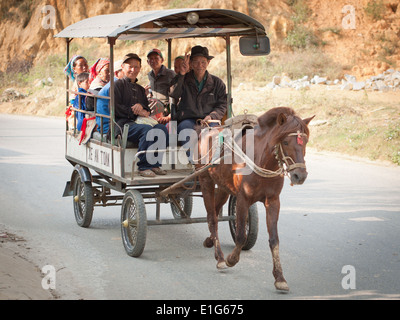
375,9
301,37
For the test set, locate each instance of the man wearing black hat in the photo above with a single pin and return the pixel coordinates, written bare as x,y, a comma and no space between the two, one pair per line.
202,95
131,102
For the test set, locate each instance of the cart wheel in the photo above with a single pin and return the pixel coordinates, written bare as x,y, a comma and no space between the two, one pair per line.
251,225
133,223
186,204
83,202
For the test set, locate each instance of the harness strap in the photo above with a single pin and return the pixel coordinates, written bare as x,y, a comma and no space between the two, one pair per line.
265,173
278,148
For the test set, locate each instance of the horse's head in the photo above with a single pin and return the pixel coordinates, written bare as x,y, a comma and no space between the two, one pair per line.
289,137
291,149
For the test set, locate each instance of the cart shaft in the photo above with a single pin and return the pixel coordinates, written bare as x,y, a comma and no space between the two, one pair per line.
186,221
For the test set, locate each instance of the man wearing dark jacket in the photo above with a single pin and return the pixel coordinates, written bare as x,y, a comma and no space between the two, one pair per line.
202,95
131,102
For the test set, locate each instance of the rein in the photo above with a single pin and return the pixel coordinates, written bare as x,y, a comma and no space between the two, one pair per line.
279,156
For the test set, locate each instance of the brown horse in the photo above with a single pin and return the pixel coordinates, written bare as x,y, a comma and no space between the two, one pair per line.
280,138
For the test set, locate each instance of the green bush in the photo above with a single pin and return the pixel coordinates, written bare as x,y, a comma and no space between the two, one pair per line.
375,9
301,10
301,37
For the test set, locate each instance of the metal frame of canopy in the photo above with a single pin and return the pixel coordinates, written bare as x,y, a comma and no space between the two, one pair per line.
163,24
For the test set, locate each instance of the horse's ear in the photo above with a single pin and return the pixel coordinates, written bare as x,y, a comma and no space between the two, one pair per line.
281,119
308,120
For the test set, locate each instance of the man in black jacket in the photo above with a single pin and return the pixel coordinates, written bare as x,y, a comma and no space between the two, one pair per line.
131,102
202,95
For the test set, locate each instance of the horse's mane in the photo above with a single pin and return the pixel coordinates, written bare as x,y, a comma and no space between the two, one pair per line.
291,124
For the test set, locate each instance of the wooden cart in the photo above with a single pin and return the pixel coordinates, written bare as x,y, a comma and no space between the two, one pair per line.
100,166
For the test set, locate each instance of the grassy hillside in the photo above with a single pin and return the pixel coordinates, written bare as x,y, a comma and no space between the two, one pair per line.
363,123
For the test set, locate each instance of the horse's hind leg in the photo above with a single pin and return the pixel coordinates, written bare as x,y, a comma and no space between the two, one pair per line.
208,190
242,209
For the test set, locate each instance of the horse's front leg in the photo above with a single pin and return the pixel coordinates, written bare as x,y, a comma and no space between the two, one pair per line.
272,209
242,209
208,190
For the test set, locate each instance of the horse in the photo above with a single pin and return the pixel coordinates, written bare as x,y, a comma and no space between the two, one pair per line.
280,140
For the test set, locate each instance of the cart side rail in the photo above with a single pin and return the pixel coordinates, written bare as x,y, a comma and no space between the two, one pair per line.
93,113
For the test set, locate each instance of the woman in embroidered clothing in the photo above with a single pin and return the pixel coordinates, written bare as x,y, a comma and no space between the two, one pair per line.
75,66
99,77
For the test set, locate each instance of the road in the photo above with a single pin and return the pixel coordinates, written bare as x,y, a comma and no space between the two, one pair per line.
347,213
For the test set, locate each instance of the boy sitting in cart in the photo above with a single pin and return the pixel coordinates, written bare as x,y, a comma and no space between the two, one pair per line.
82,81
130,104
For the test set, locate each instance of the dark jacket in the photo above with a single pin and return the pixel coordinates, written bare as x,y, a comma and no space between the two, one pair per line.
90,100
212,100
160,84
127,94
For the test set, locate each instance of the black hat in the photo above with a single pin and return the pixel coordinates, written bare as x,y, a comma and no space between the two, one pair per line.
131,56
200,51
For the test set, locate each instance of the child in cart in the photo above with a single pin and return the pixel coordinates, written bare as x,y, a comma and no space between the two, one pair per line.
82,80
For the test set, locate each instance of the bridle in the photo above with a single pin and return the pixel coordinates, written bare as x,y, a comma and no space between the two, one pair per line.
283,159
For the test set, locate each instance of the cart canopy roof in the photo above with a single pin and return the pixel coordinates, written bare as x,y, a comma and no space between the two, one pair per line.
165,24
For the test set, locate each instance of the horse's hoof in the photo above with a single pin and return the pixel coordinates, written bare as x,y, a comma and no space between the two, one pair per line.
208,243
222,265
230,264
282,286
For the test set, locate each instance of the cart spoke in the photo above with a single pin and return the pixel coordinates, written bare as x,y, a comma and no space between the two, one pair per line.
129,223
134,223
83,202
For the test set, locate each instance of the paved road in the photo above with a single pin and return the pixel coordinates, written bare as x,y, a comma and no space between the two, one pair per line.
346,214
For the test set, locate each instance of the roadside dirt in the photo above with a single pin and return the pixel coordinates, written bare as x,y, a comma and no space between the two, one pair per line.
20,278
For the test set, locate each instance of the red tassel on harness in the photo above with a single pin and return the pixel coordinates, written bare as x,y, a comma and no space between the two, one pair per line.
299,139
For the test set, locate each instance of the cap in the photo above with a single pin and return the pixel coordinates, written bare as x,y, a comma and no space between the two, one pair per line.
155,51
131,56
200,51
